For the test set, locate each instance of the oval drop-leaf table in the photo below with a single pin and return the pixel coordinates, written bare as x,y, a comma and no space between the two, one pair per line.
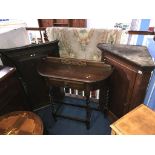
77,74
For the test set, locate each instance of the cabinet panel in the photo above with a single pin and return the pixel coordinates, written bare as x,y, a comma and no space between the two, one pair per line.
121,86
79,23
12,97
140,87
45,22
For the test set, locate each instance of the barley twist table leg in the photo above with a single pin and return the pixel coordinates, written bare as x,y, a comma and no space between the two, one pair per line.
52,103
88,110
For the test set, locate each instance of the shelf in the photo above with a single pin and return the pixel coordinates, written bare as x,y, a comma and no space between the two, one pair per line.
141,32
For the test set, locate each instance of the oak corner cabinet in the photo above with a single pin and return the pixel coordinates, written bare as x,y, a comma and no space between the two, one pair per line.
132,70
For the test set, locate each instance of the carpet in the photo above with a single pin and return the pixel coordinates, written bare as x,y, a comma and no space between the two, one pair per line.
100,125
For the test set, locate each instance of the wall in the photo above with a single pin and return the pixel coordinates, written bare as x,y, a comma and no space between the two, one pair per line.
106,23
11,24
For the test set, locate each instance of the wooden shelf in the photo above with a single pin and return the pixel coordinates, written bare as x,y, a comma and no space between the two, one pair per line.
36,28
141,32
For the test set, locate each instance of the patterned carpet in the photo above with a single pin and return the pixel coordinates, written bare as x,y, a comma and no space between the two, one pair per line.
99,125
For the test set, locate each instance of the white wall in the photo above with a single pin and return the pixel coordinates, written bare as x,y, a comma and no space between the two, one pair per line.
31,22
11,24
105,23
16,23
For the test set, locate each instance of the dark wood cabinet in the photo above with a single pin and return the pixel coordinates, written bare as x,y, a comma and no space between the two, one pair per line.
45,22
26,60
79,23
130,78
12,97
62,22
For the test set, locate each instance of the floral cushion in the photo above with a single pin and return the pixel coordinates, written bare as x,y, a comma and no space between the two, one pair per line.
81,43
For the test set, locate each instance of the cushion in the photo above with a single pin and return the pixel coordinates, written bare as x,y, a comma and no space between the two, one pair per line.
14,38
80,43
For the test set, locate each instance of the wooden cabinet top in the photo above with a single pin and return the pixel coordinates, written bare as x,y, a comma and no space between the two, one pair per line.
137,55
5,72
139,121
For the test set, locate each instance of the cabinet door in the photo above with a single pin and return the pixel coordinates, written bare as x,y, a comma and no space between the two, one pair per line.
79,23
121,86
45,22
12,97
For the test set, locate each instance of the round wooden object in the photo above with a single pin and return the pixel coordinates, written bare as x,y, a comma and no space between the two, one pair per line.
21,123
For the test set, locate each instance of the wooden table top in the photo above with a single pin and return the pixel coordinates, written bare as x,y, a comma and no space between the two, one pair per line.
21,123
74,69
139,121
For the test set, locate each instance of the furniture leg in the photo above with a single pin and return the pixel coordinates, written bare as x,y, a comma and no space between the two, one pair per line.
51,96
88,112
104,99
